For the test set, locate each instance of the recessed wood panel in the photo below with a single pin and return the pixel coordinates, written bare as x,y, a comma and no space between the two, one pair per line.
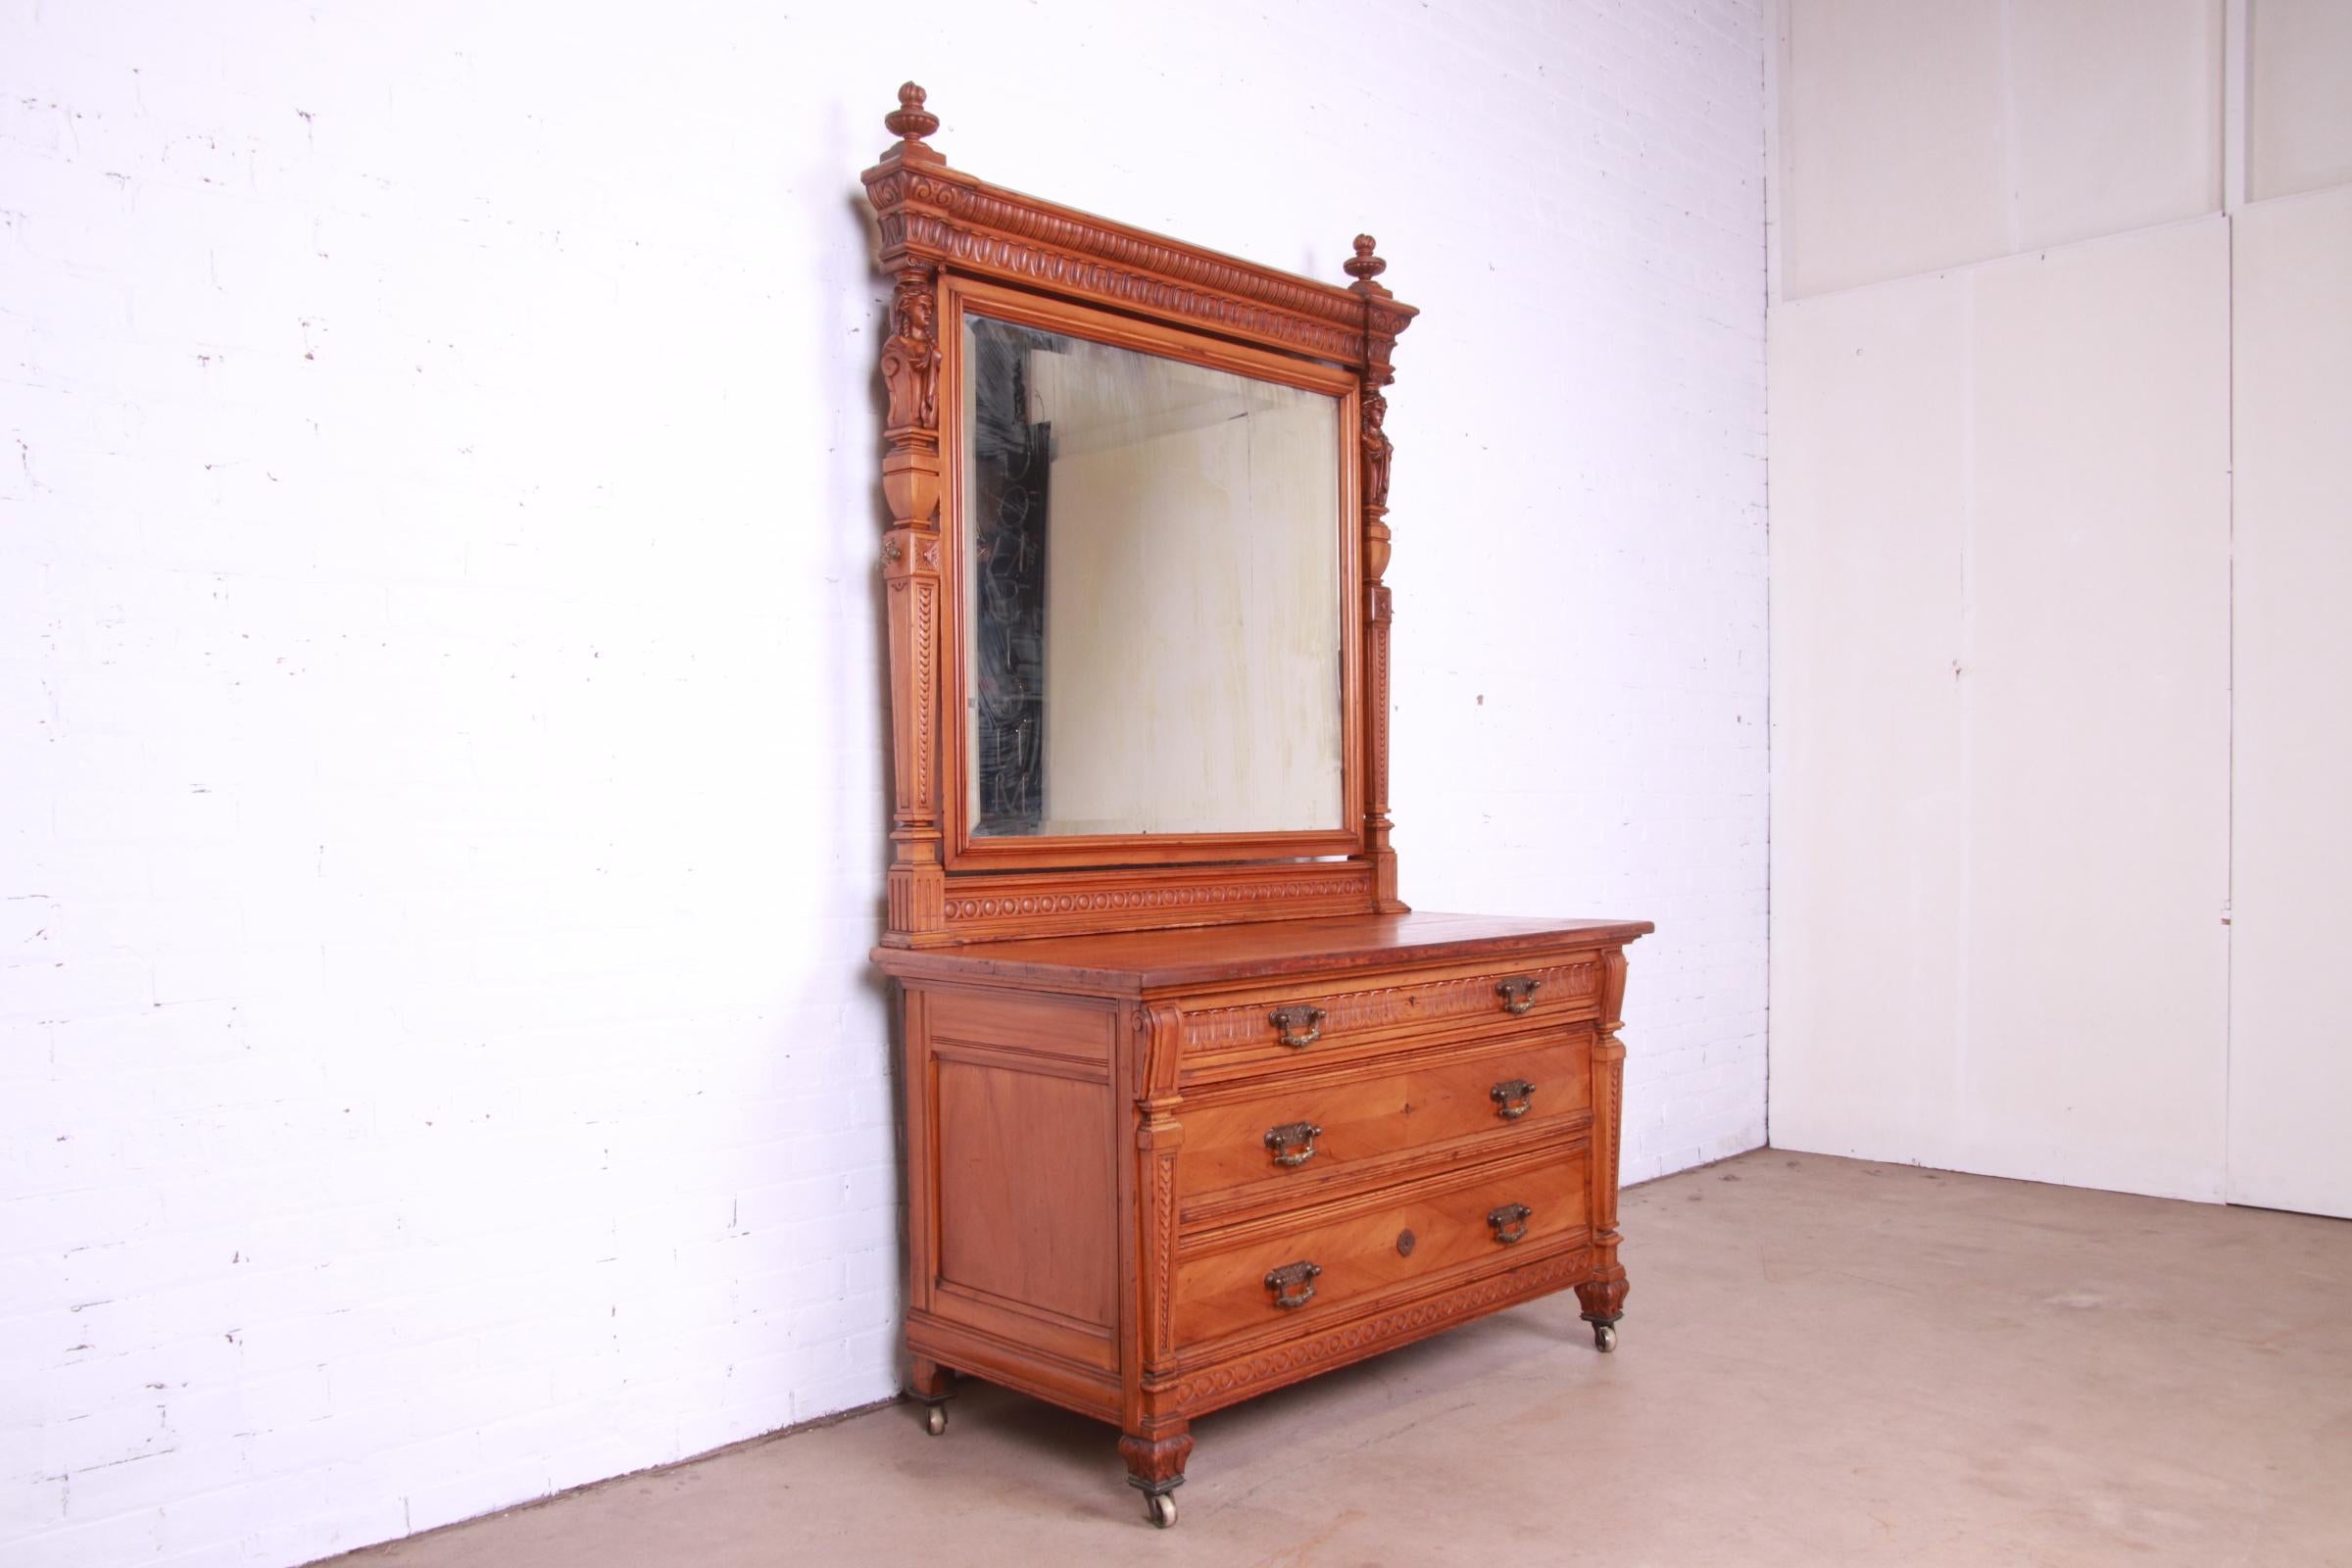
1025,1189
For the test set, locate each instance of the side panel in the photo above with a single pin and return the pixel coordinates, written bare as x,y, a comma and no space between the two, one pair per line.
1011,1140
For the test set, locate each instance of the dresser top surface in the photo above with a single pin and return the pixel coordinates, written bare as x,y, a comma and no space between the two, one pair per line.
1142,961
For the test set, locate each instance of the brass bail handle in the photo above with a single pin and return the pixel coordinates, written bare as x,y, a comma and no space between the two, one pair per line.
1518,994
1513,1097
1297,1026
1293,1142
1510,1222
1294,1284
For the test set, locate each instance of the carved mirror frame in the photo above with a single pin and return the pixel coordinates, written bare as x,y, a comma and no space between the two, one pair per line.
962,849
949,240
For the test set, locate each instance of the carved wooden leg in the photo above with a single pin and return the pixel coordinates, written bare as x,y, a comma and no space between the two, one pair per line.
1156,1466
1604,1304
933,1386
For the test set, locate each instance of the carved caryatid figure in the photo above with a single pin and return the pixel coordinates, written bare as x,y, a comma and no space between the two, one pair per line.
911,358
1377,451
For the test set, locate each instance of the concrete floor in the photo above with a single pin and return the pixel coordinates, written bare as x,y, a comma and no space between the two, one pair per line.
1824,1362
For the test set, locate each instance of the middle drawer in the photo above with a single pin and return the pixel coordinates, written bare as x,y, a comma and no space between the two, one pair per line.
1279,1131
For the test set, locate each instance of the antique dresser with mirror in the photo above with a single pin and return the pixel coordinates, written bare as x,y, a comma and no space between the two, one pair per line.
1195,1108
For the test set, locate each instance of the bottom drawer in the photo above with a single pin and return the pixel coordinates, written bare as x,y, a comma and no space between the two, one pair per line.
1307,1263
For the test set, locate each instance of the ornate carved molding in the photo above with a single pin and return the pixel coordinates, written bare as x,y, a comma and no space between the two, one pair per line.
1178,896
1080,272
1163,1240
927,690
929,209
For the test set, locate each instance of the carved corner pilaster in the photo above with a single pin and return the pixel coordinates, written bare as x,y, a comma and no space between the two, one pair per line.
1608,1110
1158,1141
1604,1296
1376,728
1609,1122
913,610
1162,1027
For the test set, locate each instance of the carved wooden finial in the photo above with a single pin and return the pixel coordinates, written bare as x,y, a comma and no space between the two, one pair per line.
911,120
1365,267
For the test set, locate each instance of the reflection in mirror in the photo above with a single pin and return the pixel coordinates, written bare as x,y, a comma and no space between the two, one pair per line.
1153,581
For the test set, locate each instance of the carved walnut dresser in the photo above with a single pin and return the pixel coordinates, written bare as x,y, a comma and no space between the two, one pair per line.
1194,1107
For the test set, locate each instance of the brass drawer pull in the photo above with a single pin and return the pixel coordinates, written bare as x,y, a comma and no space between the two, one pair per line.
1509,1222
1293,1142
1294,1284
1299,1025
1513,1097
1518,994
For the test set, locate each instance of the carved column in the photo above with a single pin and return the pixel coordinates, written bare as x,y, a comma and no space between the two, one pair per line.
911,550
1153,1440
1384,319
1604,1296
1158,1137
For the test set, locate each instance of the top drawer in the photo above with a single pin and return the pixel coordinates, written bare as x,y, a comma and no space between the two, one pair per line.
1281,1029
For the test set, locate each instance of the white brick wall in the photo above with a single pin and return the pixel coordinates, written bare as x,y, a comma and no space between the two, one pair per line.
442,752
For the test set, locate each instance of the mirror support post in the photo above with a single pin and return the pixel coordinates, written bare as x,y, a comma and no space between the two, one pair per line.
913,583
1383,320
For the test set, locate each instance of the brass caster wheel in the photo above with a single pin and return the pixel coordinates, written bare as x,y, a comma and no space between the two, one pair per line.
935,1419
1604,1335
1161,1508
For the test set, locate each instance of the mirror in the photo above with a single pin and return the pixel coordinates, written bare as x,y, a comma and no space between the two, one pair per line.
1153,593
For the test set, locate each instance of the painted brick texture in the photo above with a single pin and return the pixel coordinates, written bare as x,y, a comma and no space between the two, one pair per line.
443,755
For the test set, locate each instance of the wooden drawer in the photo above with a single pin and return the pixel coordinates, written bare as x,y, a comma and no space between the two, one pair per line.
1273,1031
1346,1255
1257,1141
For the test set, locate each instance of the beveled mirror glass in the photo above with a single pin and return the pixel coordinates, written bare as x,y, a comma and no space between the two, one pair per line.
1153,584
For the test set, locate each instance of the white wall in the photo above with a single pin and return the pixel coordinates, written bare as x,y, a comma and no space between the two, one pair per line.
445,772
2290,1077
2000,666
1919,134
2004,426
